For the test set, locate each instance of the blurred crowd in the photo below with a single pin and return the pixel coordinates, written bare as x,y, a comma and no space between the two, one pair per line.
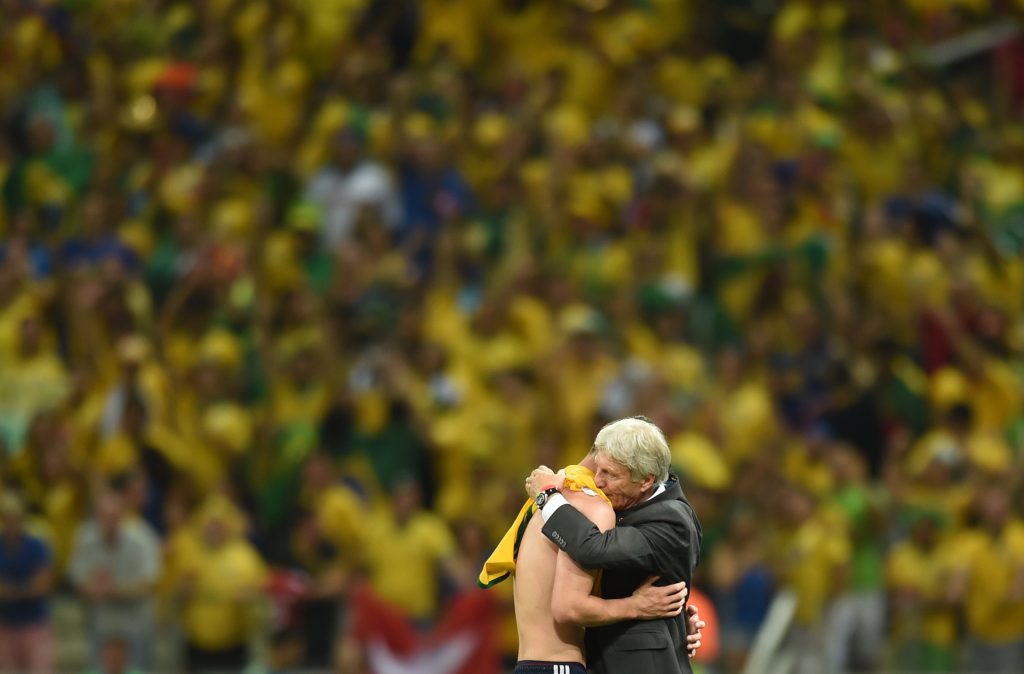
293,293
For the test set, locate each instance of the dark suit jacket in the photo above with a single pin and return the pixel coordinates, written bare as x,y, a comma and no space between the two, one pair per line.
659,537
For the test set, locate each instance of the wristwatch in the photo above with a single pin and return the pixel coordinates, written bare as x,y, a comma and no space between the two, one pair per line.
544,495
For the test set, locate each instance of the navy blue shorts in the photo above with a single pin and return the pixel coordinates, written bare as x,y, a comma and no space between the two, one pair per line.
541,667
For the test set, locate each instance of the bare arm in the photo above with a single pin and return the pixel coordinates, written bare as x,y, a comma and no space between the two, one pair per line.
573,602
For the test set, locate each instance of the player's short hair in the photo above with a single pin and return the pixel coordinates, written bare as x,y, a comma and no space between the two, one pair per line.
638,444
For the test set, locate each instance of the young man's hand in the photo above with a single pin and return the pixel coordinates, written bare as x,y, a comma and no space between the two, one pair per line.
541,478
651,601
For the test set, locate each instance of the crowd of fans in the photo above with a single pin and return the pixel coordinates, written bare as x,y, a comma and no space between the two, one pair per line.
293,293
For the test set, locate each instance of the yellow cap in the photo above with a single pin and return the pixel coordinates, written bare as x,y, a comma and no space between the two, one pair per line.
232,218
490,129
299,341
579,319
228,425
684,119
221,348
567,126
133,349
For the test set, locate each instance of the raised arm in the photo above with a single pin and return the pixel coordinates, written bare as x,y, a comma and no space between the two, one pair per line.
618,548
663,538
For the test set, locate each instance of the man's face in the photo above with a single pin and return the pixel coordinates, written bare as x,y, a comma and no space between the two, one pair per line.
108,515
615,481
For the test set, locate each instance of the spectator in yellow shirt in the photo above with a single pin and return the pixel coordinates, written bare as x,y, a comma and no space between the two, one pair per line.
409,545
990,582
219,581
812,559
923,617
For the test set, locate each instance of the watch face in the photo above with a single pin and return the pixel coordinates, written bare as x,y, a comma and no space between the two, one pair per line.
541,499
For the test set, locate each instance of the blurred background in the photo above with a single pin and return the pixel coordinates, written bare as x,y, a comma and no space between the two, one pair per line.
293,293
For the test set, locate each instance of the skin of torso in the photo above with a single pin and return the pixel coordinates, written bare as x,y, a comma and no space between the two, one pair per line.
540,637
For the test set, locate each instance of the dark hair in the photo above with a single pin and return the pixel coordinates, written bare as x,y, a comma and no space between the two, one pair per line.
961,414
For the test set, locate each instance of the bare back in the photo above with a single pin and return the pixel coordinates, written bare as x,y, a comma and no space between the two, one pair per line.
540,637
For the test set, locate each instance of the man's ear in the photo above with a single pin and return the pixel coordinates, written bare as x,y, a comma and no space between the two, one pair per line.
648,483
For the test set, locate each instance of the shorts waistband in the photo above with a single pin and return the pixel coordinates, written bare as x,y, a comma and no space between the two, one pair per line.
545,667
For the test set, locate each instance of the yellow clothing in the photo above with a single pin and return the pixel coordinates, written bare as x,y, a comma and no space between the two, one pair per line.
681,259
182,548
227,579
993,615
531,39
181,353
462,440
680,364
577,388
443,321
937,444
502,562
11,316
809,558
625,36
994,395
64,505
877,167
927,278
700,461
608,266
341,516
811,472
454,25
951,500
739,232
748,420
60,503
486,354
797,17
925,573
883,267
986,451
403,560
205,439
291,404
509,437
31,385
117,454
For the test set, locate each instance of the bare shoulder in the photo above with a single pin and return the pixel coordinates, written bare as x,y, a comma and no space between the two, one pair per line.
593,507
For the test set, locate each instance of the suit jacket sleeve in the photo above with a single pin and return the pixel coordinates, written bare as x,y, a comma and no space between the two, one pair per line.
627,547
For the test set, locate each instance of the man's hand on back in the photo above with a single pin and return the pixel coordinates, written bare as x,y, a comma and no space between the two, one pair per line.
652,602
541,478
693,627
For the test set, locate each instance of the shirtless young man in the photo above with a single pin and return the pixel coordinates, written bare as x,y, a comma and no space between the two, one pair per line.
554,597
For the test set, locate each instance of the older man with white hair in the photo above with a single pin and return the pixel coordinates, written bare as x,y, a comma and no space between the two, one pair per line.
656,533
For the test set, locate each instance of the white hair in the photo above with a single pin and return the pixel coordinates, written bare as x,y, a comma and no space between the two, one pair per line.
638,445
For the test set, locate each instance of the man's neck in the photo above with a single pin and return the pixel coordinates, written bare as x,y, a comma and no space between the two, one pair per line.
655,492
